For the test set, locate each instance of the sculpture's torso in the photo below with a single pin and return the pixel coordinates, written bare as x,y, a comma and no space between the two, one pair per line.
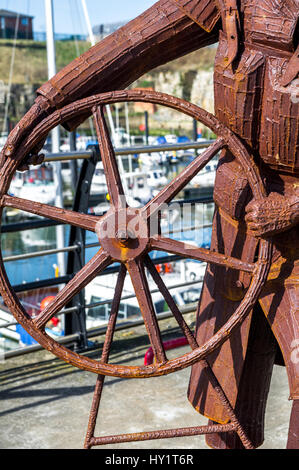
251,99
249,96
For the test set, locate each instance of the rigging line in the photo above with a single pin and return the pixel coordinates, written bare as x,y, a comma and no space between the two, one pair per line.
5,124
92,40
78,16
90,120
74,29
88,23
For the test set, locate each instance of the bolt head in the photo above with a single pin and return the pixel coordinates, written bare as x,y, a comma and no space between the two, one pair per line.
122,236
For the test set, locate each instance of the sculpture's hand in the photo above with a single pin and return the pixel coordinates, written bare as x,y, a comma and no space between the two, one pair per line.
271,215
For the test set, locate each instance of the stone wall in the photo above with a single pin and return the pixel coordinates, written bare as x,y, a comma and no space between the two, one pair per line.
192,85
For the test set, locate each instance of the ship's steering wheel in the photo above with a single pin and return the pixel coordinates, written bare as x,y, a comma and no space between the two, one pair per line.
126,237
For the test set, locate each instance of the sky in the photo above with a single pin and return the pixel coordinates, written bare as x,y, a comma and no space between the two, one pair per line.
69,18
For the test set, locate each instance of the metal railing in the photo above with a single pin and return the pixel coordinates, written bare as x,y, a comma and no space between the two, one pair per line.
123,151
92,157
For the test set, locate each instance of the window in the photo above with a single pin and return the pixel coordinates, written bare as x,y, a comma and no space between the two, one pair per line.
2,23
161,306
99,312
102,312
24,21
127,310
192,295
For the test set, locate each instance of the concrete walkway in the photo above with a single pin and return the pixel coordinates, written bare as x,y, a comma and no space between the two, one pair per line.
45,403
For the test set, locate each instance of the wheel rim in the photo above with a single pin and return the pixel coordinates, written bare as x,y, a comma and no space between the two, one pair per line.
128,247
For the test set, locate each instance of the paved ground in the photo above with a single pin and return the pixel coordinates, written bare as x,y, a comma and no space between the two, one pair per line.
45,403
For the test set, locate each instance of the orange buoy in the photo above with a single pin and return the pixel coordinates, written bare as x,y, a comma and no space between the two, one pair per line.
45,302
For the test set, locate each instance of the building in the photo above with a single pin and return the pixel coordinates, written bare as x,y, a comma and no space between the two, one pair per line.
9,20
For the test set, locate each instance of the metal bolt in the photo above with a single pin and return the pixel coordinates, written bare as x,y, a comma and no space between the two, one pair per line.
124,236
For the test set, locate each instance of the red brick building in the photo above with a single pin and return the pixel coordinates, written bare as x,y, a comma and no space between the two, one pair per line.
8,23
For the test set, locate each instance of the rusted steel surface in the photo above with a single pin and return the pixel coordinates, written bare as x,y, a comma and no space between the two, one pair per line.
105,357
161,434
256,196
161,34
98,263
181,248
132,250
121,243
114,184
174,187
56,213
256,98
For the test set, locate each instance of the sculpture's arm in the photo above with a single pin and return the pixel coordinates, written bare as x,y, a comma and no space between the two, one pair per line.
272,215
162,33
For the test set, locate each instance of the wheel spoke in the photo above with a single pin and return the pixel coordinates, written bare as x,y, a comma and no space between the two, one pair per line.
142,291
85,221
171,303
105,353
113,314
114,184
189,251
99,262
177,184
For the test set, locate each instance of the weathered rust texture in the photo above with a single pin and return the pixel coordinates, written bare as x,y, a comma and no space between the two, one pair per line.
61,215
132,254
194,345
121,58
255,98
205,14
105,357
99,262
161,434
257,117
161,34
114,184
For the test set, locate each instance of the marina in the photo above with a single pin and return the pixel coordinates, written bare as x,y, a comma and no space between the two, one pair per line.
187,222
119,259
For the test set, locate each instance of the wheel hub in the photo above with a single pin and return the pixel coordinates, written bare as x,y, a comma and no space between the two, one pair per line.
123,234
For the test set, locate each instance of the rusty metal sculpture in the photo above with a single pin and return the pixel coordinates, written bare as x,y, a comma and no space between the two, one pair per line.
256,196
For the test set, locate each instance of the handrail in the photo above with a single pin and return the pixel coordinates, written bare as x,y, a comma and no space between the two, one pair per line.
80,155
43,223
63,279
93,332
67,249
109,301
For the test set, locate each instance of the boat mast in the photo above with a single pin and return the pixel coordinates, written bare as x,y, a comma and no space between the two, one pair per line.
88,23
92,40
51,57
